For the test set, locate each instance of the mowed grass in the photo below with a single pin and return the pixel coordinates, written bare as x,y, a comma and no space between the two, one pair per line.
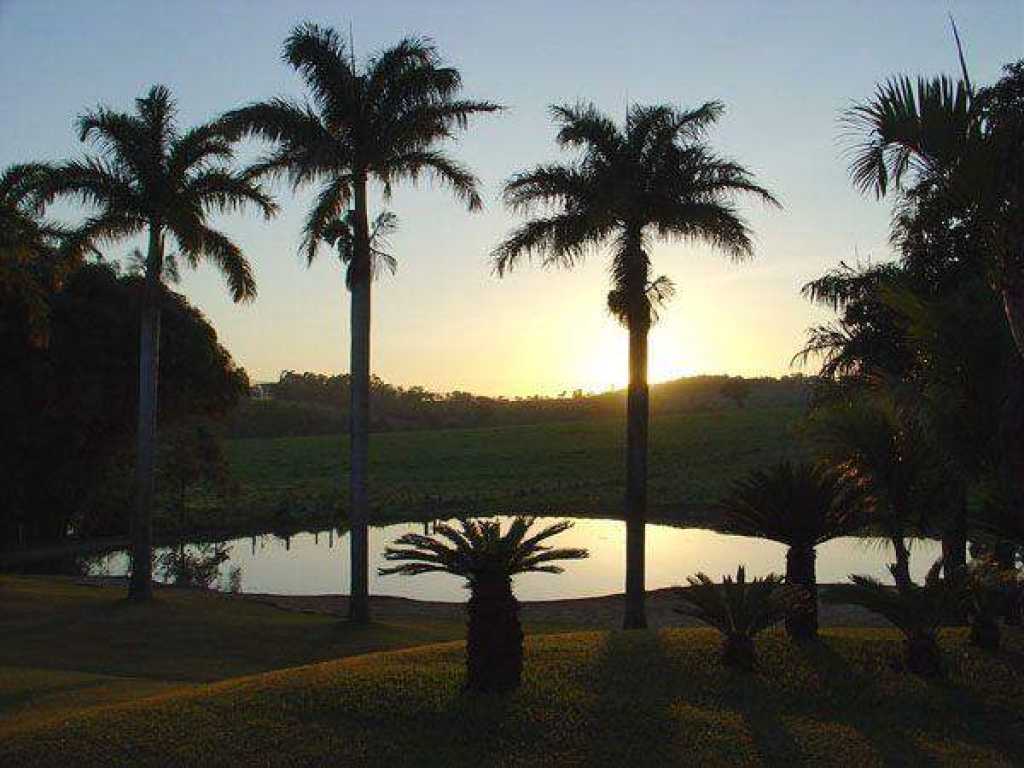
615,699
565,468
65,646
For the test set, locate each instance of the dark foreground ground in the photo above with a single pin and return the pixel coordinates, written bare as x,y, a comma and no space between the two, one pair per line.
202,679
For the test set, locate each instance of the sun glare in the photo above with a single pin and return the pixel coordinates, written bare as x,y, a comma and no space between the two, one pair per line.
605,366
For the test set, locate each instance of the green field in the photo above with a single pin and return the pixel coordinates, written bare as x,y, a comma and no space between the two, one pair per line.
564,468
132,685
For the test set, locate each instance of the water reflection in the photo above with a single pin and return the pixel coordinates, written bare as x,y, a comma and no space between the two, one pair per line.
311,563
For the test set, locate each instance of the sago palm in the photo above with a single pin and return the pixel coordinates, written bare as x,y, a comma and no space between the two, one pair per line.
918,611
382,122
479,552
739,609
800,505
655,178
148,178
891,454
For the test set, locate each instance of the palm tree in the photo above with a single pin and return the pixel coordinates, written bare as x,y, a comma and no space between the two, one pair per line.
378,123
799,505
478,552
739,609
654,179
987,587
34,253
918,611
890,453
940,134
150,178
340,235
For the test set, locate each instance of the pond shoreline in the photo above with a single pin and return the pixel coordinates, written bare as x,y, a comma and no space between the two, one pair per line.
604,612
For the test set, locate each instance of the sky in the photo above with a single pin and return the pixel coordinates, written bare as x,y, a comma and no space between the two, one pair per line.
785,70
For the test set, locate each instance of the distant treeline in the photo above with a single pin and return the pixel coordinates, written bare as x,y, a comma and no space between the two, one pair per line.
312,404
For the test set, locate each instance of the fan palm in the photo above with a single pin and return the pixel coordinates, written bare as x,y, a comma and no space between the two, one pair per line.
799,505
656,178
150,178
477,551
918,611
381,123
738,609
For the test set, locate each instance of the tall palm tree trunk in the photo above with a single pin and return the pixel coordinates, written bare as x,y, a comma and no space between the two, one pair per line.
141,585
802,619
637,416
359,424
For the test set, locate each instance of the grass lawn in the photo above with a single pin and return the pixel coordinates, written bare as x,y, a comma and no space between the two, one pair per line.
64,646
86,679
565,468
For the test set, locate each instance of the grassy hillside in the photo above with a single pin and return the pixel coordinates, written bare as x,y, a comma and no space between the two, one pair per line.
569,467
639,698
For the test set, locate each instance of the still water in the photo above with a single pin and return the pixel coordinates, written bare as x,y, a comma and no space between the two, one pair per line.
317,563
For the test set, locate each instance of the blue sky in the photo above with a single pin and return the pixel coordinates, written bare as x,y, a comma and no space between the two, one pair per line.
784,70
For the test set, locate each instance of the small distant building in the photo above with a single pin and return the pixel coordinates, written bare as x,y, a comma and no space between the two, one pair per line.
262,391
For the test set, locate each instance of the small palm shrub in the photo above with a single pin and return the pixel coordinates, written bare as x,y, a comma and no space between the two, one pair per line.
986,588
738,609
800,505
477,551
918,611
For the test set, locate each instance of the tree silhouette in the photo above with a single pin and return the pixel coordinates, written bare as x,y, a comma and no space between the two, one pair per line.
149,178
801,506
380,122
478,552
654,179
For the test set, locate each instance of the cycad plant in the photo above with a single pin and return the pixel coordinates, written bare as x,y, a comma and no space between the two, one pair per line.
739,609
918,611
987,586
656,178
800,505
382,123
479,552
150,179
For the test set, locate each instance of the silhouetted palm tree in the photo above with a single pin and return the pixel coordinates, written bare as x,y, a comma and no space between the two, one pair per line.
799,505
340,235
149,178
34,253
739,609
940,134
478,552
918,611
892,455
381,123
656,179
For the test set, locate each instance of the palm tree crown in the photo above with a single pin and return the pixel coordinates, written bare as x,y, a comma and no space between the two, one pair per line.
147,174
340,235
477,550
380,122
801,505
654,178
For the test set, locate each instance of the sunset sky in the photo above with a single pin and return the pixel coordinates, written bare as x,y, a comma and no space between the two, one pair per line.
784,71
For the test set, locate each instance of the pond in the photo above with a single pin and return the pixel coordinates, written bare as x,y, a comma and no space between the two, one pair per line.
318,563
